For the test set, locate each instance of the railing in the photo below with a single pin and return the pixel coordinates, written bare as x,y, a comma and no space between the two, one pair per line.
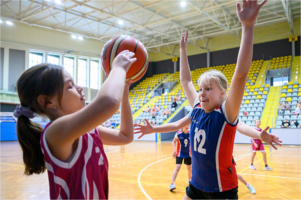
9,96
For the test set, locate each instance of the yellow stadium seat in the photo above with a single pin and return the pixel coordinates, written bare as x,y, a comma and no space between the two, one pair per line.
267,85
246,94
295,86
247,101
290,83
255,93
299,90
299,94
265,92
258,97
252,90
283,95
288,99
261,89
284,87
289,90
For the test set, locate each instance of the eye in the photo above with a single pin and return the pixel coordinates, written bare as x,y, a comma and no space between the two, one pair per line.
208,88
200,90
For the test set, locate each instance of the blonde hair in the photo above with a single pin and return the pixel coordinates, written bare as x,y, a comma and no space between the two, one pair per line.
218,76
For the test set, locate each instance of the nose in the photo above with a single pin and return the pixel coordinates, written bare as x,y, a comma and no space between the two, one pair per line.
201,93
79,88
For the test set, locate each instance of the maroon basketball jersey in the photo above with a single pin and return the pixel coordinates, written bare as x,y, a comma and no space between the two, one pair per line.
85,176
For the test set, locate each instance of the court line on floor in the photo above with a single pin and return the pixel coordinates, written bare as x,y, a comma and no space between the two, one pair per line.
139,177
146,183
271,176
242,156
12,164
255,162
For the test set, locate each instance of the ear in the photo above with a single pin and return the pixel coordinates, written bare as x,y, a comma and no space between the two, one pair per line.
224,93
42,100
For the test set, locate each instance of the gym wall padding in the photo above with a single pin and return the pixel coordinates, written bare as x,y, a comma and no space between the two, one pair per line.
9,132
16,67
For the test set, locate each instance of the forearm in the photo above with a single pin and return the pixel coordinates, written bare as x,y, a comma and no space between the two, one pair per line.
113,87
174,146
166,128
185,76
245,54
247,130
126,126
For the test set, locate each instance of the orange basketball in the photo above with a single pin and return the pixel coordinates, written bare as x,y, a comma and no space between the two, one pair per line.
120,43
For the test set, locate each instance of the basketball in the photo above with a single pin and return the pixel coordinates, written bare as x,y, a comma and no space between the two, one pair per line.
120,43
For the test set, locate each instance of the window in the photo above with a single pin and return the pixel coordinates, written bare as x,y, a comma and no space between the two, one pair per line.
69,65
82,72
279,81
53,59
35,59
94,82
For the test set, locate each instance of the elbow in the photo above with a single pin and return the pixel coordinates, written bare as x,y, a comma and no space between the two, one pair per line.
129,137
111,103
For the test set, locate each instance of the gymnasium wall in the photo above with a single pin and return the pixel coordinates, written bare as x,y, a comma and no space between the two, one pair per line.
16,67
260,51
1,66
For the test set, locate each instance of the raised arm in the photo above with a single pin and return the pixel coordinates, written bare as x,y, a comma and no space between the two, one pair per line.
148,128
185,76
125,134
247,16
65,130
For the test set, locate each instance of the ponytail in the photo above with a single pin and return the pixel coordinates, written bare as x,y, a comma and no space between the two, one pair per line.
29,134
44,79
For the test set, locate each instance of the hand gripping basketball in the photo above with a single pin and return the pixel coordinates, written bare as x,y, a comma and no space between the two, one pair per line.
125,59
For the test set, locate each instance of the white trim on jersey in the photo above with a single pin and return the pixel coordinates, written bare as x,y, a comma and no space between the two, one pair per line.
66,165
58,181
225,114
95,191
216,157
87,157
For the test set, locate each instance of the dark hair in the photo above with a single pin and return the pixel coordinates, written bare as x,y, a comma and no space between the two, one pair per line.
44,79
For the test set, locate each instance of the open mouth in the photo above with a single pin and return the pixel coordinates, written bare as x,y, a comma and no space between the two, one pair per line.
204,101
83,98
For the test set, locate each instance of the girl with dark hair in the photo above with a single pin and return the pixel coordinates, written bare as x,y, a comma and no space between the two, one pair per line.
71,145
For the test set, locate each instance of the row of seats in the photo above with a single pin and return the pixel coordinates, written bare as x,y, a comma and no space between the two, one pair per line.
281,62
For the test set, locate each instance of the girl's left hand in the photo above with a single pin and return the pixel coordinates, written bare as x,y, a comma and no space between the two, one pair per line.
270,138
248,14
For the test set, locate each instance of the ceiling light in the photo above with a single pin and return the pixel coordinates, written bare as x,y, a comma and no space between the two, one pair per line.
74,36
80,37
58,1
120,22
183,3
9,23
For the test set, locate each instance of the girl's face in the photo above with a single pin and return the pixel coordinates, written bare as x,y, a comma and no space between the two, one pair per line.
72,99
257,123
210,95
185,129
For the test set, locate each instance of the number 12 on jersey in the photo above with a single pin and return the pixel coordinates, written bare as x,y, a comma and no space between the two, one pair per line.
197,138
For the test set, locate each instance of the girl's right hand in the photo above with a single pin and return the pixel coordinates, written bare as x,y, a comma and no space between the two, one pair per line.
144,129
124,60
184,40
